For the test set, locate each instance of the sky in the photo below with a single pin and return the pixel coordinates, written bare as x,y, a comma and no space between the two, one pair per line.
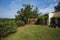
9,8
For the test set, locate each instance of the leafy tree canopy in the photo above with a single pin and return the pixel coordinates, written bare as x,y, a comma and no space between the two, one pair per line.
57,8
43,17
27,13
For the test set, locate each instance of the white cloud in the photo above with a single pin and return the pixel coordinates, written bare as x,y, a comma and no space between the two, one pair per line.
49,9
55,4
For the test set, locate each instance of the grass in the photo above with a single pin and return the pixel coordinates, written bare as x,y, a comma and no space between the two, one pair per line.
35,32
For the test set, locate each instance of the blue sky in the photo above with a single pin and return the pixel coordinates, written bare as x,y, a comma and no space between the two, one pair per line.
8,8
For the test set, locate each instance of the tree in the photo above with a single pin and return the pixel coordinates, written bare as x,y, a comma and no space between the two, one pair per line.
42,19
35,13
26,13
57,8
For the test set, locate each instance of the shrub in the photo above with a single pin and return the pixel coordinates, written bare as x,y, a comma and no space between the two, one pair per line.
7,27
20,23
11,26
2,29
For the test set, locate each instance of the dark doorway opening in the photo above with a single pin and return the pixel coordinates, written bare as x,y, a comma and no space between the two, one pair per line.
52,22
55,23
58,24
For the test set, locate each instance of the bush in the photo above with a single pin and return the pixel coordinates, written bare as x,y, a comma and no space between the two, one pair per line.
7,27
2,29
11,26
19,23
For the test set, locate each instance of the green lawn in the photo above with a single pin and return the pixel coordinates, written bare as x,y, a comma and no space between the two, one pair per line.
35,32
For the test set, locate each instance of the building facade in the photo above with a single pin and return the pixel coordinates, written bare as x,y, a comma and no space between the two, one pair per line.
54,19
